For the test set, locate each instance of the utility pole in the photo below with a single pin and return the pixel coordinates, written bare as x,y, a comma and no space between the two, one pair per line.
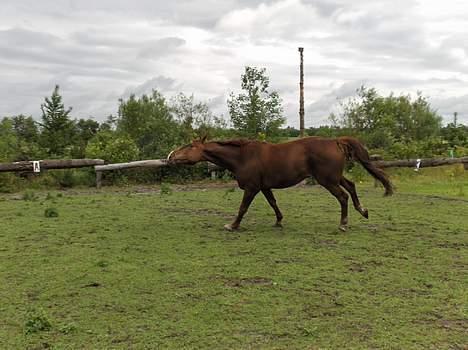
301,94
455,114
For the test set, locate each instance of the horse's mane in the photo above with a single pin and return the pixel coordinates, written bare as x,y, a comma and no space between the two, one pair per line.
235,142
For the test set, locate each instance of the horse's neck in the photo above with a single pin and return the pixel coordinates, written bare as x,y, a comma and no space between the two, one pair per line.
225,156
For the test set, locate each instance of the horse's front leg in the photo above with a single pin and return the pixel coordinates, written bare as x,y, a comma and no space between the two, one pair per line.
249,195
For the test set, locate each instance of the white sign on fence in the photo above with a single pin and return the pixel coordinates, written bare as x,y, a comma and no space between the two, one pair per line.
418,164
36,166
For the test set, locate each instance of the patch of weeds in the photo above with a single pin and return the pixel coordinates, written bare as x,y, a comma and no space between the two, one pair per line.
59,195
49,196
36,321
165,189
67,328
30,196
51,213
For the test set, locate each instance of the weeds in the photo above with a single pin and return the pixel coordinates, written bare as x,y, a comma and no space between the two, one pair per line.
51,213
165,189
36,321
30,196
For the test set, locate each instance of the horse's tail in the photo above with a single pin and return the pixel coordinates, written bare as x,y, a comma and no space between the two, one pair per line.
355,150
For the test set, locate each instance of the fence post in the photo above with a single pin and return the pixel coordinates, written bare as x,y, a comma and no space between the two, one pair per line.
98,179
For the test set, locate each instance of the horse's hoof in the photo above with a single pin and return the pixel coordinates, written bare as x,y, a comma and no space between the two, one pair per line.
365,213
278,224
343,228
230,228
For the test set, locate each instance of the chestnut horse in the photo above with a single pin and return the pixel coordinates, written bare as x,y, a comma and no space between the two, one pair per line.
261,166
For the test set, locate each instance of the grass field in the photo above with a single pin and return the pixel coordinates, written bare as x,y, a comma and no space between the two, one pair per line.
144,270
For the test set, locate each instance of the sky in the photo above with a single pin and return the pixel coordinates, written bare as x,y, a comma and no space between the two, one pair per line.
101,51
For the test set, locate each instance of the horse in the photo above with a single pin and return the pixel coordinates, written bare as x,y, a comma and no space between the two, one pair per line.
262,166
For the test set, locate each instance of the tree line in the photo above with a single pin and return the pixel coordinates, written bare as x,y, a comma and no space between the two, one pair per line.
149,126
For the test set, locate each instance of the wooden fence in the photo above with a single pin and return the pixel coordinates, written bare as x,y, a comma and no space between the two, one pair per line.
100,166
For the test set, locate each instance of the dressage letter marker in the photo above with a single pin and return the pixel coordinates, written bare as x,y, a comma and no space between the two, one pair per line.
36,166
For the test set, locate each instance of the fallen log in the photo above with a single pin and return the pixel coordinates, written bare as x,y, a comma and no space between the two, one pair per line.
423,163
49,164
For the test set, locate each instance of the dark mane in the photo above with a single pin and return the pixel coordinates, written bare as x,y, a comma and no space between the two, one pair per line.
235,142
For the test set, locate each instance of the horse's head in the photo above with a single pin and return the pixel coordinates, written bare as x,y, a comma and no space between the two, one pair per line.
188,154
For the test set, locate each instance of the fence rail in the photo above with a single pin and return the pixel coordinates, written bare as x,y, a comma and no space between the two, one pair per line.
49,164
423,163
100,166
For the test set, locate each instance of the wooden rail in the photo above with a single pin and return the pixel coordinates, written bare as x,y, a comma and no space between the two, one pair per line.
100,166
153,163
49,164
423,163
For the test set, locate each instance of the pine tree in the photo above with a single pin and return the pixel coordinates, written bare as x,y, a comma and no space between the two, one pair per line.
57,127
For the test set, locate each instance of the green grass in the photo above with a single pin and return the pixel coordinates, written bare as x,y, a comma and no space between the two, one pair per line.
130,270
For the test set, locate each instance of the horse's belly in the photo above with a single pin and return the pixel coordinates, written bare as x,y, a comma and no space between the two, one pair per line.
286,182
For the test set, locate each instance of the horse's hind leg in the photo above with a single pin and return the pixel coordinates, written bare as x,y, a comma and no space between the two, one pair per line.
351,188
342,196
272,201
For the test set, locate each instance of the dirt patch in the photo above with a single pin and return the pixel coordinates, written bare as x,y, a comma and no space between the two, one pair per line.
92,285
459,325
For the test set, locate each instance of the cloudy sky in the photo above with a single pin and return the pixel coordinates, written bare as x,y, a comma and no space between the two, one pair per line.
100,51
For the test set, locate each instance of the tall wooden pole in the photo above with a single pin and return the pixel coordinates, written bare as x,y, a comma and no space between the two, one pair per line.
301,94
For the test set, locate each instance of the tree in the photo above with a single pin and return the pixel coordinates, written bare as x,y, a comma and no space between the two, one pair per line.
195,118
149,123
112,147
85,130
25,128
8,140
257,112
384,120
57,127
27,136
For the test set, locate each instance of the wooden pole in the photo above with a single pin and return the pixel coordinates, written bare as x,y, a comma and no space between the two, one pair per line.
301,94
98,179
153,163
50,164
427,162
